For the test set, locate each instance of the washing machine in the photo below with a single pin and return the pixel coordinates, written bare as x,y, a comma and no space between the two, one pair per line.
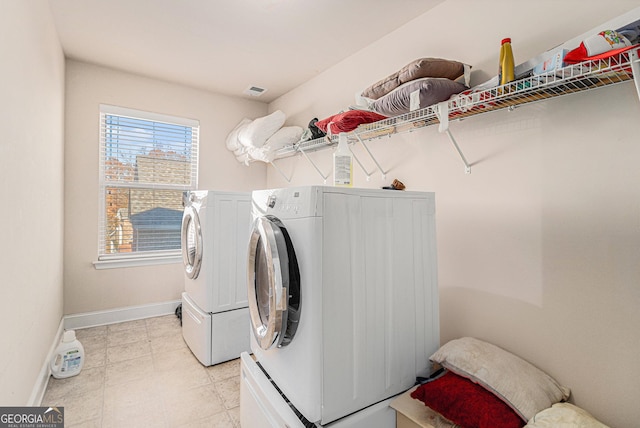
214,236
343,299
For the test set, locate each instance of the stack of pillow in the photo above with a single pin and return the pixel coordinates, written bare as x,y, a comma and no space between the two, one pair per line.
485,386
419,84
259,139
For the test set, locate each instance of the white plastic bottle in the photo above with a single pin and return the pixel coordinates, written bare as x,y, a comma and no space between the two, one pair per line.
68,358
342,163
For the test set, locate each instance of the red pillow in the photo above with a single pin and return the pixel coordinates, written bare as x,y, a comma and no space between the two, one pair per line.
348,121
466,403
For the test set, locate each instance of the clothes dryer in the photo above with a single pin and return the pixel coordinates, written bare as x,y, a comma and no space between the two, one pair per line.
343,299
214,235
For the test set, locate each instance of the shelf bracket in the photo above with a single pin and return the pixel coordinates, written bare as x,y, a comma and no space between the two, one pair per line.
467,167
383,172
635,68
324,178
368,174
442,112
273,164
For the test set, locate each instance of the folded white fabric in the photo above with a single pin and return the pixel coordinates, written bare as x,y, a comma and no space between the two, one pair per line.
233,143
242,155
244,158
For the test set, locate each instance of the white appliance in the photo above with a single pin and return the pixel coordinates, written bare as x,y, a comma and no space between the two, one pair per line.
343,301
215,232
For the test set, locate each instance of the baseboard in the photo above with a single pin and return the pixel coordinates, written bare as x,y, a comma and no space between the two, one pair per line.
112,316
93,319
43,377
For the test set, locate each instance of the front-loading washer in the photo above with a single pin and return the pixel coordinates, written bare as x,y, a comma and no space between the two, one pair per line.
343,297
214,234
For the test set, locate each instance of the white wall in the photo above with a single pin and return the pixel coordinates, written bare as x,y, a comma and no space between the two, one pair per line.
31,191
539,247
88,86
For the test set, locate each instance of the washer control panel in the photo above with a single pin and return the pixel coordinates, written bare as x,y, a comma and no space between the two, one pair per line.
287,202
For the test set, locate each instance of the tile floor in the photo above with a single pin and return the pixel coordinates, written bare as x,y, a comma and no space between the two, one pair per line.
142,374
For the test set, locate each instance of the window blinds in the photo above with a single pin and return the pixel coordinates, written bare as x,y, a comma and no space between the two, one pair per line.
147,162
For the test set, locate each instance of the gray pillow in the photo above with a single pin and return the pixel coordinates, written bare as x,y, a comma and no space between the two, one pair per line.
429,91
417,69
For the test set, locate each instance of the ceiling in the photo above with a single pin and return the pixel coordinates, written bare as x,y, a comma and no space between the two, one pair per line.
227,46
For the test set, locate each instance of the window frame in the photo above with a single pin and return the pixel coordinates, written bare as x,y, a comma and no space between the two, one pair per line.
118,260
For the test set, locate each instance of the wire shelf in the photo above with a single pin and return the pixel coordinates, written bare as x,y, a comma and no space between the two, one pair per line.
564,81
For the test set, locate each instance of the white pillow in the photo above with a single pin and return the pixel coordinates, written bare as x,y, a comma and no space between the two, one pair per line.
522,386
564,415
258,132
232,139
287,135
262,154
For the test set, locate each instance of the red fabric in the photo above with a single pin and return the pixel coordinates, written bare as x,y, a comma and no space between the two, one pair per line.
466,403
580,54
348,121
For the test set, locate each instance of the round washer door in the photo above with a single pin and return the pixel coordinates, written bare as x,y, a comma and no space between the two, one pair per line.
191,242
273,280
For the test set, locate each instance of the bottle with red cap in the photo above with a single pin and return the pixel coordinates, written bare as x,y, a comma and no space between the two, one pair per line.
506,73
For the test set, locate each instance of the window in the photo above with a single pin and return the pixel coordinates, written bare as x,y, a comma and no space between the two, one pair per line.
147,162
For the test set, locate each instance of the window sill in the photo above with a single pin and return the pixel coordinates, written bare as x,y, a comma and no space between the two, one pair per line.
137,261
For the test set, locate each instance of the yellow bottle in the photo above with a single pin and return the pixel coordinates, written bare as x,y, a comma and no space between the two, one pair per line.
507,71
